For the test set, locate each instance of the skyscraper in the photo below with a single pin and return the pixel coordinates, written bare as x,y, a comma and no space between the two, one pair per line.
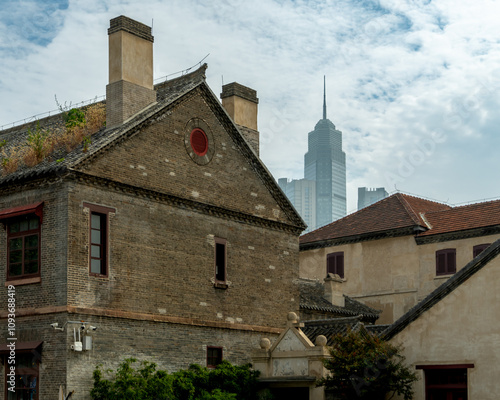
324,164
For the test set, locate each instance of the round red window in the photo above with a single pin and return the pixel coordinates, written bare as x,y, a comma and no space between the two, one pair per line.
199,142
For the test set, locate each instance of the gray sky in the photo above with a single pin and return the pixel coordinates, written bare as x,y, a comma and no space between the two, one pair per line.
413,85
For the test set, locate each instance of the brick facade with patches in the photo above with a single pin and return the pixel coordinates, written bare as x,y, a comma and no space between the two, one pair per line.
128,234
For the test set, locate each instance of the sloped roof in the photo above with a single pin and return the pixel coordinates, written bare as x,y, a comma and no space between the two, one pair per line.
168,94
311,298
444,290
399,211
331,327
471,216
402,214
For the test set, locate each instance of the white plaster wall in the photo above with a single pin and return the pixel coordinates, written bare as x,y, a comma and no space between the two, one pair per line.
462,328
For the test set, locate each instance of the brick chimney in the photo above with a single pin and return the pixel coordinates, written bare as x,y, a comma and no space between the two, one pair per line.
130,87
241,103
333,290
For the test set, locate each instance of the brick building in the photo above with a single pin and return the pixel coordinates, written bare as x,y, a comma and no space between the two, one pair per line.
164,231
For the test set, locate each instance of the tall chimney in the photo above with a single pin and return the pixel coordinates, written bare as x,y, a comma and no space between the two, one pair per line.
130,87
241,103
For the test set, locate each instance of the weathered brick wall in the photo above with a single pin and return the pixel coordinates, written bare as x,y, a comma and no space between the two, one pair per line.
162,262
52,369
51,291
170,346
156,158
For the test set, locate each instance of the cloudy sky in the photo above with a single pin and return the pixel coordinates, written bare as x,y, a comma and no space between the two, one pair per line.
412,84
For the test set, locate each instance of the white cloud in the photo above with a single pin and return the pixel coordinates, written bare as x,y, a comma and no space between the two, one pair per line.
398,72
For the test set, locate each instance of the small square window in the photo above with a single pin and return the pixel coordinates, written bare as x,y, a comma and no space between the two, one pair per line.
446,262
335,263
214,356
478,249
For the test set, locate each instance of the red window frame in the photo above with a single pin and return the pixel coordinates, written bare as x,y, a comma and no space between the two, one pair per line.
214,356
446,262
335,263
220,262
446,381
478,249
22,230
98,239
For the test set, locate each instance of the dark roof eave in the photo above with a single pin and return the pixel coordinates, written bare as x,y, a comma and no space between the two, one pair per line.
455,235
30,175
405,231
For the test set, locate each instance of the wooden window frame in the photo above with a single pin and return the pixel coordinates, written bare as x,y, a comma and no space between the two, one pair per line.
479,248
218,358
332,264
220,278
447,386
33,371
449,267
11,216
103,213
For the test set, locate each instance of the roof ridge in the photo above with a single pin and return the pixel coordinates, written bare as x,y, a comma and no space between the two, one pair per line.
409,209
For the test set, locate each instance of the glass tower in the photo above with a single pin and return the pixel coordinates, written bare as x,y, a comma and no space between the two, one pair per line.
324,163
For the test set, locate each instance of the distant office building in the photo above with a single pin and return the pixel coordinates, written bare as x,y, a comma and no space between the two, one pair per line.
367,196
302,194
324,164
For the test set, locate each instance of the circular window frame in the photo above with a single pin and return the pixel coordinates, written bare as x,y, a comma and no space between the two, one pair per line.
197,125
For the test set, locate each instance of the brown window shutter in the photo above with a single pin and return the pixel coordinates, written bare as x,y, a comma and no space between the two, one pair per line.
340,265
440,263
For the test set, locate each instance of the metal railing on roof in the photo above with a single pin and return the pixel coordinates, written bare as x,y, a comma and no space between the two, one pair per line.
52,112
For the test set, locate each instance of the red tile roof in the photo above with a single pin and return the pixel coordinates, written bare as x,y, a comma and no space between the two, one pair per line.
394,212
478,215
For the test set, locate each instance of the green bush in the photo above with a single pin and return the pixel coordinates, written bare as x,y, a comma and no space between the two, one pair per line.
363,366
225,382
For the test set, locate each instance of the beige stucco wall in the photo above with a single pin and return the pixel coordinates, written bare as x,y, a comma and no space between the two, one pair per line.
130,59
242,111
390,274
463,328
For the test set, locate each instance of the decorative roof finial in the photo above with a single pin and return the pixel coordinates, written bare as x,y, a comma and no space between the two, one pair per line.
324,97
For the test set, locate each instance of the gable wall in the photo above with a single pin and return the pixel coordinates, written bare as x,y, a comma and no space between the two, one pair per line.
462,328
157,159
390,274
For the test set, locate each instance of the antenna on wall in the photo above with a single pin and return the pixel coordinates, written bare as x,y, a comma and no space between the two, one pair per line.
222,77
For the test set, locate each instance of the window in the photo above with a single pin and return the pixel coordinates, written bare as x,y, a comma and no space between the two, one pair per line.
220,261
446,262
23,241
22,381
98,239
214,356
335,264
446,382
476,250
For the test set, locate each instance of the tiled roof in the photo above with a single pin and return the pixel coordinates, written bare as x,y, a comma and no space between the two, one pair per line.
311,298
15,138
394,212
338,326
462,218
444,290
330,328
423,218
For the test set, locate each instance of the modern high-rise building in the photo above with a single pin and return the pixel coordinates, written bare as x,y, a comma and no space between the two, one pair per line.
324,164
367,196
302,194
